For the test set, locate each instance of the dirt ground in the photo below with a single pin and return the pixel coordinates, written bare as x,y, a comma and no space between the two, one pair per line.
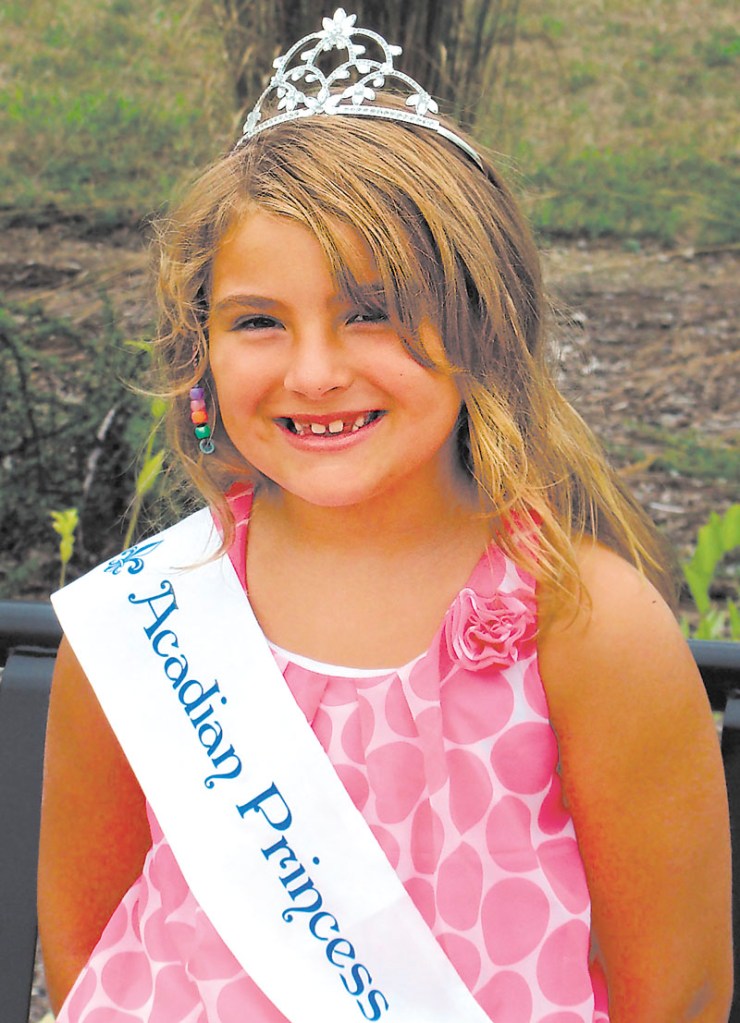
646,343
646,350
649,355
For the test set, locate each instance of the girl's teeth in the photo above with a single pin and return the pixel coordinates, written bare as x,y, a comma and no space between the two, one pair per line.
335,427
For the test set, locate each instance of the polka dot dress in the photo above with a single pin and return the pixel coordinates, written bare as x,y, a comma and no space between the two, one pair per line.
453,763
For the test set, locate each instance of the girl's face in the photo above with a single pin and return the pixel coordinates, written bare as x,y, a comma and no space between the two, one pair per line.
317,394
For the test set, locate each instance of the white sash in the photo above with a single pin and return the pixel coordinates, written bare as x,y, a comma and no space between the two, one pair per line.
265,834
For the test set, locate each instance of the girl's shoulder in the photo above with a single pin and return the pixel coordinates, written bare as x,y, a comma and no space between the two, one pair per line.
637,741
620,656
626,700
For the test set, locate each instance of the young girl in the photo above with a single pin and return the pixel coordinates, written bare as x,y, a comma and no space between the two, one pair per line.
509,804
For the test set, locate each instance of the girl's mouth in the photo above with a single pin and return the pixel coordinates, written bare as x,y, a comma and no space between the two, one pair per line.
326,426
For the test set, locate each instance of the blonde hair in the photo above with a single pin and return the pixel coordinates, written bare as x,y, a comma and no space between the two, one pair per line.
450,245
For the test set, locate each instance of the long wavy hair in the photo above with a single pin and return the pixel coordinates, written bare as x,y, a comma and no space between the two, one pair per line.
450,246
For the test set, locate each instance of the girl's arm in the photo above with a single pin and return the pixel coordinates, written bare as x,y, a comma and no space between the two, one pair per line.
94,831
643,777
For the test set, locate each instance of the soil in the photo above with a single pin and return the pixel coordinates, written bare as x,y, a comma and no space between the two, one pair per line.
645,341
648,353
646,349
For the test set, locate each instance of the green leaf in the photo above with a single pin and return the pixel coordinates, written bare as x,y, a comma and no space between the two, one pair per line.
712,625
716,538
138,345
159,408
730,528
64,522
149,473
698,582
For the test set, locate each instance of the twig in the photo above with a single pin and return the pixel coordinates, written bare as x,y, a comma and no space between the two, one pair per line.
97,449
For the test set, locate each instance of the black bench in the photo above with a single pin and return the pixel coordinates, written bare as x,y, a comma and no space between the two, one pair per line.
29,636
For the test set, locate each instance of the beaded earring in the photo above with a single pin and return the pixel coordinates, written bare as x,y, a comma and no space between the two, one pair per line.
199,419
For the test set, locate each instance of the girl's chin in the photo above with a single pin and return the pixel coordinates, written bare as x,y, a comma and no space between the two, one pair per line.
330,490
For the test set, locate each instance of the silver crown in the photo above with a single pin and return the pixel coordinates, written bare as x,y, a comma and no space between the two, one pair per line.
329,94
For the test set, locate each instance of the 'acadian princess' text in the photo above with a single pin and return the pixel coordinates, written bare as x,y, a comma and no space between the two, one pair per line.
200,704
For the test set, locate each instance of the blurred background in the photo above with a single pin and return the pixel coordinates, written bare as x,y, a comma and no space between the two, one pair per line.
616,123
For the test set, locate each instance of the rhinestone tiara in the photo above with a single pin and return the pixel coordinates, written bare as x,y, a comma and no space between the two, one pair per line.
299,88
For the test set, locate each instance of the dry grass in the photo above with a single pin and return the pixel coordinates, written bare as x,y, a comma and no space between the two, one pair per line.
618,73
104,106
619,117
622,116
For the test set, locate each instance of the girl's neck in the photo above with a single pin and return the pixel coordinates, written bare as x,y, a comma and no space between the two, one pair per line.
363,585
390,521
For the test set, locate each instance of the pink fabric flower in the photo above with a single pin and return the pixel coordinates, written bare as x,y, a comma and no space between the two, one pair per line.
485,631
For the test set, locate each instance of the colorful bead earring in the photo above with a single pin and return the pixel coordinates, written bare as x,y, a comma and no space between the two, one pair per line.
199,419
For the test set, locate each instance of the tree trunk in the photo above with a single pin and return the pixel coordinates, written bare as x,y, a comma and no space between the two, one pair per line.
453,48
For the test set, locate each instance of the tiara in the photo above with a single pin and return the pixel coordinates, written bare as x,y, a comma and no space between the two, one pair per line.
299,87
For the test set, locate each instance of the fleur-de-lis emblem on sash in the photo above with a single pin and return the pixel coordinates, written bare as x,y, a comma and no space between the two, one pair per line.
132,559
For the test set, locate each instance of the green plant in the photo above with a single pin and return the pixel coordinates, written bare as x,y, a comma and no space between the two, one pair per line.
721,49
77,430
582,73
635,192
150,471
553,27
684,451
716,538
662,47
65,523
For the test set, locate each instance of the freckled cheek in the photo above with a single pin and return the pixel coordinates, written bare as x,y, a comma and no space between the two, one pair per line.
239,406
241,384
247,431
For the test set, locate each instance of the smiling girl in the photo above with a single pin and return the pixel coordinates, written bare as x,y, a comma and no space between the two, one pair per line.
405,736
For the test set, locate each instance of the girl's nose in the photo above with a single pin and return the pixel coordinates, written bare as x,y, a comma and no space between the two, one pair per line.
318,364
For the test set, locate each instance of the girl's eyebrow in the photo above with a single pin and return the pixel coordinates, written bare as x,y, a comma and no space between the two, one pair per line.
371,293
237,301
369,290
372,287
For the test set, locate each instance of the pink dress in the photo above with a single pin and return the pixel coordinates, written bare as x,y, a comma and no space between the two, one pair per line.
452,761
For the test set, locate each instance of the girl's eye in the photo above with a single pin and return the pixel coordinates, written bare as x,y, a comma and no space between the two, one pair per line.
257,322
376,315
